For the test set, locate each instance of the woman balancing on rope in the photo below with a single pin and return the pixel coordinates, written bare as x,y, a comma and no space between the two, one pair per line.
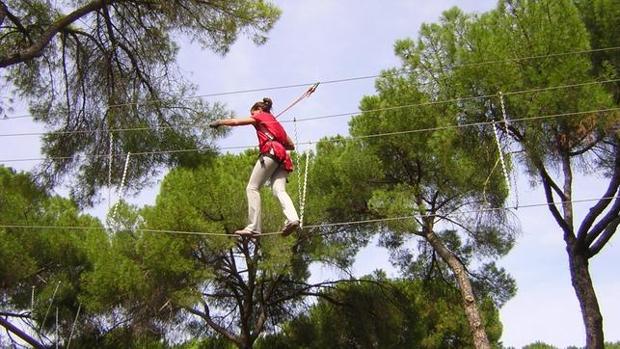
274,165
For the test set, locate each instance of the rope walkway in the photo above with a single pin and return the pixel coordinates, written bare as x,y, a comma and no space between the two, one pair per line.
386,134
316,226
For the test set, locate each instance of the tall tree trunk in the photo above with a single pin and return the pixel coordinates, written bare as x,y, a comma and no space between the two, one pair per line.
578,263
582,283
476,324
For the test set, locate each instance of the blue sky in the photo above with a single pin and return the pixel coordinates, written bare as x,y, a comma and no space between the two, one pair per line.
326,40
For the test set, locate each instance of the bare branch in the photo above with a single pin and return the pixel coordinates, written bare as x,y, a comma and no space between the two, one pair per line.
221,330
609,217
3,12
20,315
588,236
547,185
21,334
547,179
609,231
586,148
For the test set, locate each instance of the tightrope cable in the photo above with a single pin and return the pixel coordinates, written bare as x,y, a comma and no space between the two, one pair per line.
350,138
316,226
328,116
357,78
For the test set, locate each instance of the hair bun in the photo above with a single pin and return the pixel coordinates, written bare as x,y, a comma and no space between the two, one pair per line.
268,102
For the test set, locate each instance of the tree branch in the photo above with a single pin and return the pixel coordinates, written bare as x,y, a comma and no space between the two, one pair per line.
610,229
305,289
325,296
596,210
585,148
599,227
547,179
221,330
21,334
547,184
20,315
4,12
260,321
37,47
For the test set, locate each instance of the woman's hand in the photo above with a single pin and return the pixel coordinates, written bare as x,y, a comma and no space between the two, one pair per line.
289,144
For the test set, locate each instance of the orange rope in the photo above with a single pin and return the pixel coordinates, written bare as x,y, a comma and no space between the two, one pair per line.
304,95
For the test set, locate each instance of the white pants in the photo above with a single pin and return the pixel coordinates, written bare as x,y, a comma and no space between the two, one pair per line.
265,169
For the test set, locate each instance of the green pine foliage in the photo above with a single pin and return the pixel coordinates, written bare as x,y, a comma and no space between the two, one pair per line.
378,313
41,269
177,263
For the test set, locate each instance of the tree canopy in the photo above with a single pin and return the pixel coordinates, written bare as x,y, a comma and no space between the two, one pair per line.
206,280
41,269
102,76
559,115
376,312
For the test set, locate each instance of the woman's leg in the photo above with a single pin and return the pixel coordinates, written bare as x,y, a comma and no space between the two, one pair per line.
263,170
278,186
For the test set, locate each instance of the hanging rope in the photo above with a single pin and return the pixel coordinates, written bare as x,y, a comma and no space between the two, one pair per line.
110,169
73,326
306,94
499,146
32,300
121,190
486,182
515,191
49,307
501,157
298,162
506,124
56,328
501,102
301,190
302,200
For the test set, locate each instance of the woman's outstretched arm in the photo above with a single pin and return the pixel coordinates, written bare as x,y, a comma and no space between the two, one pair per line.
232,122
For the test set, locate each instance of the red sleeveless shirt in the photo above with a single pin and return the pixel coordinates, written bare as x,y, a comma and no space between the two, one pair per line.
271,138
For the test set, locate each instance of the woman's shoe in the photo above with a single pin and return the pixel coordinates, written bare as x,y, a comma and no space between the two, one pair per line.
245,232
290,227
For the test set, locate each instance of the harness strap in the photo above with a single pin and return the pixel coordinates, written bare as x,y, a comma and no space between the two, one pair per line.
269,155
266,133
